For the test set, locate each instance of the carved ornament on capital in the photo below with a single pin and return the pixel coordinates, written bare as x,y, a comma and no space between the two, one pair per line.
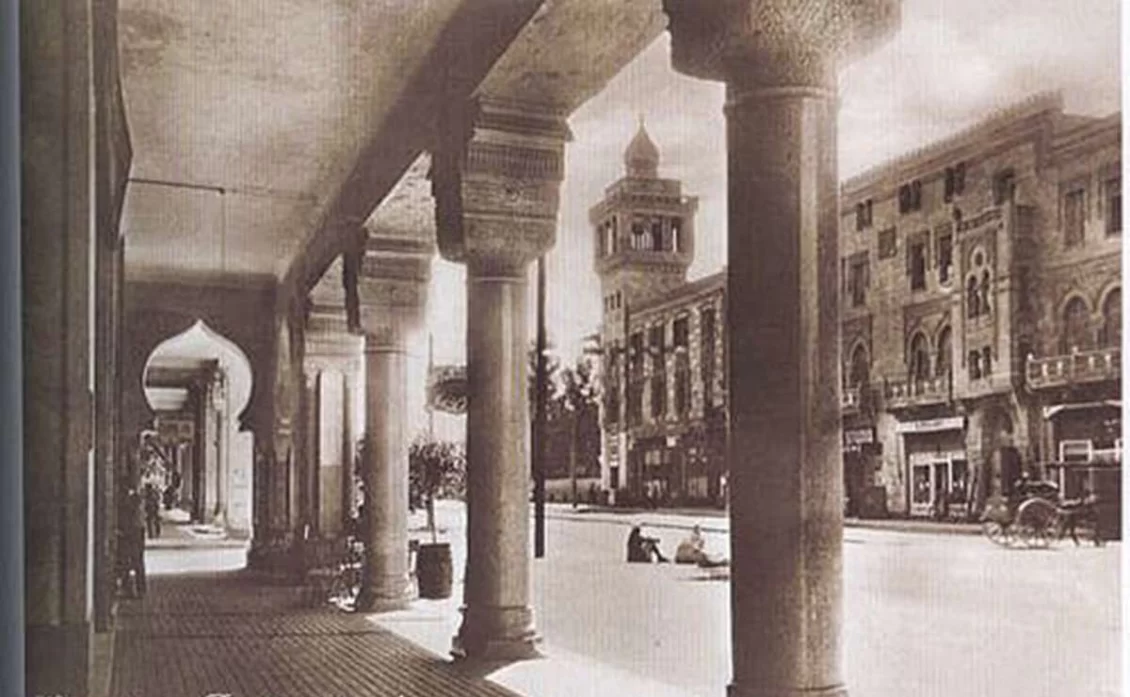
496,180
775,43
390,310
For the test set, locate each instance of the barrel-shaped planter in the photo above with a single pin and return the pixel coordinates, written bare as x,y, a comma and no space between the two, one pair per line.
433,570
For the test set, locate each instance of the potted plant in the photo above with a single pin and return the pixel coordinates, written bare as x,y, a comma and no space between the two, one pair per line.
436,468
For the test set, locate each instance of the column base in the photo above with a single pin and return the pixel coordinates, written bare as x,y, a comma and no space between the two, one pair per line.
491,633
384,599
735,690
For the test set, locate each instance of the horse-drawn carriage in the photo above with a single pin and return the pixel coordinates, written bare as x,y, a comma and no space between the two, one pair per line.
1033,515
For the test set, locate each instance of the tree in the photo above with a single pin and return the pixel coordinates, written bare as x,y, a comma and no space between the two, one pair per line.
435,468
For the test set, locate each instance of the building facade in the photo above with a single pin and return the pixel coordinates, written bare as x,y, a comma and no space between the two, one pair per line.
980,324
664,389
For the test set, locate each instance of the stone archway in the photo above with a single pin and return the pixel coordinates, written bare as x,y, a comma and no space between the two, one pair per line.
197,384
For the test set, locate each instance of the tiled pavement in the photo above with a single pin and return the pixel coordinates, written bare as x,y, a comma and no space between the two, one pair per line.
230,634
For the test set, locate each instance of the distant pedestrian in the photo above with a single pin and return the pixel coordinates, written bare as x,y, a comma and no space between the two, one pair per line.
152,512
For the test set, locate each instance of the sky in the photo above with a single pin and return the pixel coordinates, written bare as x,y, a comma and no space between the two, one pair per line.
950,65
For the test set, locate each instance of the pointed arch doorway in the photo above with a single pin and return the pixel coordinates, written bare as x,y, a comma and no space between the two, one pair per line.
197,384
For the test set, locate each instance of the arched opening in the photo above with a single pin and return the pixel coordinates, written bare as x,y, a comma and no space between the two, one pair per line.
972,298
1112,319
195,457
1075,336
919,359
860,370
944,363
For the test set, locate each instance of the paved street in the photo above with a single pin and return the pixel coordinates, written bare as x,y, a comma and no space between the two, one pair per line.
926,614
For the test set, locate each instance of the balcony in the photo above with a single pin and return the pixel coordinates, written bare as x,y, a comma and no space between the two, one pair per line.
901,393
1082,367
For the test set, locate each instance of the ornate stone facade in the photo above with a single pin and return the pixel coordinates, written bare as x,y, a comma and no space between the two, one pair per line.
980,305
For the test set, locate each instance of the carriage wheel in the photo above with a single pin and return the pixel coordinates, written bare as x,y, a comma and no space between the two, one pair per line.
1035,520
997,533
1036,536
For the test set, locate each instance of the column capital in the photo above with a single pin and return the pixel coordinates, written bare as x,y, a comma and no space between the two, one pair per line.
496,179
390,286
775,43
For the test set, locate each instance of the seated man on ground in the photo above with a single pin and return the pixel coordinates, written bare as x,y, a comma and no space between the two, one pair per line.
692,550
643,549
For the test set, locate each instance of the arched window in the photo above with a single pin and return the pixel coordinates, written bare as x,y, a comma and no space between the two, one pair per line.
919,359
1075,336
1112,318
985,309
944,363
657,236
859,374
974,365
640,239
972,298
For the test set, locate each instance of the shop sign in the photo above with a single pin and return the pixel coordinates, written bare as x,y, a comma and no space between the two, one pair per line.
855,437
945,423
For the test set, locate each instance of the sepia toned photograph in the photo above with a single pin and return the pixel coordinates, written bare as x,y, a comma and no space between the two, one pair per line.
568,348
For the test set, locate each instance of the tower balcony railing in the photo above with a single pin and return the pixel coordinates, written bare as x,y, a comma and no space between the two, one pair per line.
1097,365
909,392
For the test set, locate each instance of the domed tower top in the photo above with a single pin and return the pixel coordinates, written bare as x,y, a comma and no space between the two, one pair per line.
641,159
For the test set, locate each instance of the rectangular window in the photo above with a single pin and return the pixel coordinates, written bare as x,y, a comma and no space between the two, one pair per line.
916,195
635,403
637,353
986,362
945,257
707,319
1113,189
1004,187
950,185
917,265
910,197
658,395
682,384
858,282
863,214
888,243
682,332
959,179
1074,217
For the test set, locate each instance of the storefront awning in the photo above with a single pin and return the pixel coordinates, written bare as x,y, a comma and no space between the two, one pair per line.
1055,409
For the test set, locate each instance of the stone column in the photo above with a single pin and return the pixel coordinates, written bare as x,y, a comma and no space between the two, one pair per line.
497,198
392,289
778,59
56,178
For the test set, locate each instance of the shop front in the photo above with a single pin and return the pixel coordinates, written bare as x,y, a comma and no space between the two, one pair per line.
1086,440
937,468
862,498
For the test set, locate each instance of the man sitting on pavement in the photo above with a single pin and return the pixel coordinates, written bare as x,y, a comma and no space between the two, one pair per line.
643,549
692,550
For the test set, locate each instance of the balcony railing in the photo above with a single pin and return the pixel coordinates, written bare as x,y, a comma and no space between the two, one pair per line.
902,392
1083,366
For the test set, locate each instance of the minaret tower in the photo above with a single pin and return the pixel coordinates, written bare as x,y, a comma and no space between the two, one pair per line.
643,231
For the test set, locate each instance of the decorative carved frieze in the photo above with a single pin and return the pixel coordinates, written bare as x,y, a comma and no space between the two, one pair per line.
496,181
